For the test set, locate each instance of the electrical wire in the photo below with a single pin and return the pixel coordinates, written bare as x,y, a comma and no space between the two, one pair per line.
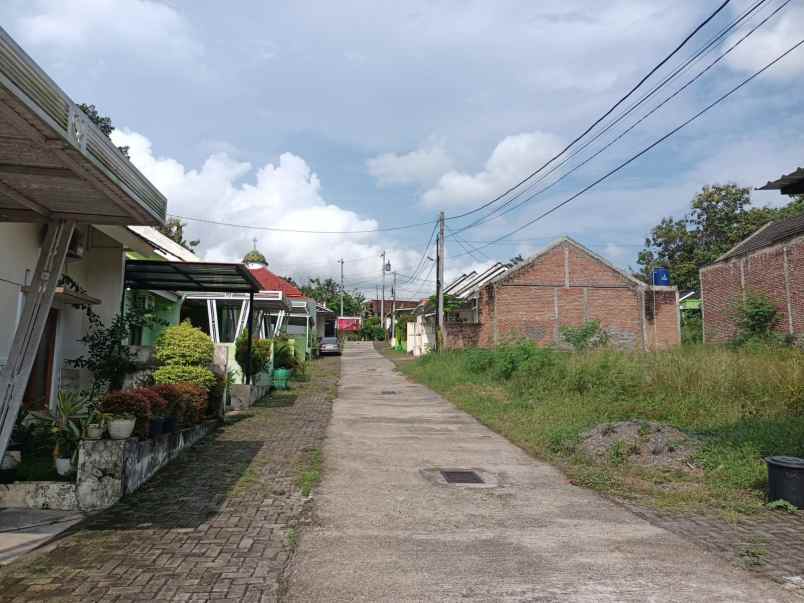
299,231
498,210
613,108
649,147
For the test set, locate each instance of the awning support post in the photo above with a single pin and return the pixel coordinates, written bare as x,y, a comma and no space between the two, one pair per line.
38,301
250,334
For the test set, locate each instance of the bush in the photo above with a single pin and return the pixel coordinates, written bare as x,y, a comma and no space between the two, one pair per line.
756,316
159,406
196,375
130,403
186,402
260,353
184,345
587,336
284,355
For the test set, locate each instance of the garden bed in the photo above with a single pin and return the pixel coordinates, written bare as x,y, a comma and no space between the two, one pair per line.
108,470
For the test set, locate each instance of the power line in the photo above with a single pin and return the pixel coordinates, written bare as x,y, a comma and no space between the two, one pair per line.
299,231
708,46
490,216
649,147
424,255
661,63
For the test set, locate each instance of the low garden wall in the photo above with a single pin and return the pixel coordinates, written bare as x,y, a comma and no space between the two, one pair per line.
244,396
108,470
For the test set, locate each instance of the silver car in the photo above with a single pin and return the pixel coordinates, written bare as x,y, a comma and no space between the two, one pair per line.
330,345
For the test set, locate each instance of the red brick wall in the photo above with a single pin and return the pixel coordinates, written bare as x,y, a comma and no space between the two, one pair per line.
566,287
462,335
663,331
723,285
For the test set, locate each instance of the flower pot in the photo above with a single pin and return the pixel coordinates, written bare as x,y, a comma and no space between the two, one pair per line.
156,426
281,377
94,431
120,429
64,466
170,425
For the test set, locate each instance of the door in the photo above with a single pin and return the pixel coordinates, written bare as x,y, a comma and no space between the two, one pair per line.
40,383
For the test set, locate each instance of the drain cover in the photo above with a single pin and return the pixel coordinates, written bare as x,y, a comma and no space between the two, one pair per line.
461,477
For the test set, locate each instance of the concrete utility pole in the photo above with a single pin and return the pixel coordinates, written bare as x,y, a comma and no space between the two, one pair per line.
382,299
393,309
341,263
440,282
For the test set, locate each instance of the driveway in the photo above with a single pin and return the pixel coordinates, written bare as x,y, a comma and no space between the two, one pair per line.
388,527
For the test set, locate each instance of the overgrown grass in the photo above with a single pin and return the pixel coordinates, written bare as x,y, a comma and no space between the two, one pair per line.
744,404
309,471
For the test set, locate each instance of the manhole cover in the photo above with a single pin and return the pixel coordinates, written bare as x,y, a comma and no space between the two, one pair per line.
461,477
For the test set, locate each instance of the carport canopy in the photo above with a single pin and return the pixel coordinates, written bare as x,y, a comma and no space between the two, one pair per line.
208,277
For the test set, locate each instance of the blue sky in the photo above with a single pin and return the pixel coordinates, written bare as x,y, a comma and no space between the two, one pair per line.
351,115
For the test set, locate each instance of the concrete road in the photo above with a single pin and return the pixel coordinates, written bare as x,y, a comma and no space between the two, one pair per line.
389,528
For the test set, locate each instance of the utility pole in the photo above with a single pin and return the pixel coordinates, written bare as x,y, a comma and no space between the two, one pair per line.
382,299
440,283
393,309
341,263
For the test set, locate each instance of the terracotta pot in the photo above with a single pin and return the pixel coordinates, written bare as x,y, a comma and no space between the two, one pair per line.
64,466
120,429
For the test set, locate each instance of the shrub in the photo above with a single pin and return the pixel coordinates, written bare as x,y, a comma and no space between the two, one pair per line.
284,355
756,316
478,360
159,406
185,401
196,375
129,403
588,335
184,345
260,353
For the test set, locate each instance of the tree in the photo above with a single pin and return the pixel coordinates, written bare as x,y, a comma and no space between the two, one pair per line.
328,292
721,216
173,228
104,123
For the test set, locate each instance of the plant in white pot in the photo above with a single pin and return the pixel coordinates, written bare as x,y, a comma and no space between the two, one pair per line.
95,425
121,426
65,424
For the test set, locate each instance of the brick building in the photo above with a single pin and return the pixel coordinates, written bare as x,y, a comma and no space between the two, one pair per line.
770,261
566,284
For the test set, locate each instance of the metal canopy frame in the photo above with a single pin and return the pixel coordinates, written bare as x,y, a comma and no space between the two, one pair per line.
206,277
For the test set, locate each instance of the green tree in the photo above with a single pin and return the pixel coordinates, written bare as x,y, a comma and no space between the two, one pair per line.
721,216
328,292
173,228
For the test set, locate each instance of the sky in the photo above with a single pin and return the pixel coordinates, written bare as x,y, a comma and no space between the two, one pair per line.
362,115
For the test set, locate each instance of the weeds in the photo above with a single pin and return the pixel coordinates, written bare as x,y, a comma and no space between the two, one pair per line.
783,505
309,471
742,403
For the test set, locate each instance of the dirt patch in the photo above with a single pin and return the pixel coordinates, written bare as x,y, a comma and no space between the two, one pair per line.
643,443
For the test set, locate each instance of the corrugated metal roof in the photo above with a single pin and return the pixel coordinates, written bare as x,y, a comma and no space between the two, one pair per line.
481,279
770,234
458,281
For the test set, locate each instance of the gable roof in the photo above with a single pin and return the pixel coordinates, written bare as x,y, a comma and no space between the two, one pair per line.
565,239
770,234
271,282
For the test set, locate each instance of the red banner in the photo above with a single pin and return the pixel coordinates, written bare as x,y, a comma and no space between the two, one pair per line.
349,324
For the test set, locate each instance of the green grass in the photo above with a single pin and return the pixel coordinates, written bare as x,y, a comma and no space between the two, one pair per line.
742,404
309,471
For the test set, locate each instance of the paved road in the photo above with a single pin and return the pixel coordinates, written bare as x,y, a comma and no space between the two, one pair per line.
388,529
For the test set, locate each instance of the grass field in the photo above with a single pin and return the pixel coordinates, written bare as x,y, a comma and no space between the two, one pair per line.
742,405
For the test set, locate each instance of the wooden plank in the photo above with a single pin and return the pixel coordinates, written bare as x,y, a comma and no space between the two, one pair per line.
23,200
14,376
36,170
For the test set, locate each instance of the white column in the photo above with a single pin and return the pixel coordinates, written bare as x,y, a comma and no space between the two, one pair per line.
14,376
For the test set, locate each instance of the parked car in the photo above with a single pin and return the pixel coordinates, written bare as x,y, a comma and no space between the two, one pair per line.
330,345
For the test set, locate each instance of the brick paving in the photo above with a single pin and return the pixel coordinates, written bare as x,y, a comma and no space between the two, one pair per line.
216,525
770,543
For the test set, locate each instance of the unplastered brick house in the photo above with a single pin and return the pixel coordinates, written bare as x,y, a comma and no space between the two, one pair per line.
567,284
769,262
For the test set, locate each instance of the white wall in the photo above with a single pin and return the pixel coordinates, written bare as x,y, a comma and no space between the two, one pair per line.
99,272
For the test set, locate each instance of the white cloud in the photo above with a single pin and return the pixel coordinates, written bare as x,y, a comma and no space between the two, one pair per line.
768,42
422,166
286,195
512,159
142,27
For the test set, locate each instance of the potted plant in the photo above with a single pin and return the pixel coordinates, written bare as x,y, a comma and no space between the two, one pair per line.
158,410
65,425
66,447
125,406
94,426
284,363
121,426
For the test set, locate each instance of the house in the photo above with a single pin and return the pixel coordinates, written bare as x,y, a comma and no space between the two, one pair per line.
60,178
770,261
373,306
565,284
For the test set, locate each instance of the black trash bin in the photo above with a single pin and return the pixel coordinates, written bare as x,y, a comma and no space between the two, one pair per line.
786,479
